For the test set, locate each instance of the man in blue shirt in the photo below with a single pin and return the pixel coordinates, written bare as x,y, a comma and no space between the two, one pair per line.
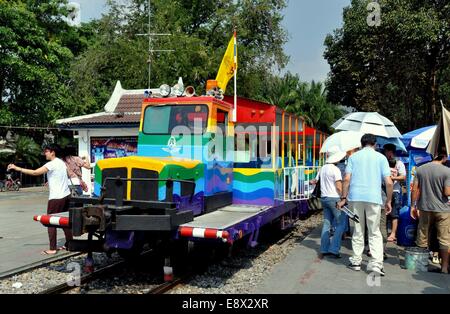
365,172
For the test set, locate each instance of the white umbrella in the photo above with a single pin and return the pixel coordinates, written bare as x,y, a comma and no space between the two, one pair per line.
344,141
422,140
367,122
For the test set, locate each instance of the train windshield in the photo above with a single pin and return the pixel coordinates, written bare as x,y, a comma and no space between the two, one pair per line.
162,120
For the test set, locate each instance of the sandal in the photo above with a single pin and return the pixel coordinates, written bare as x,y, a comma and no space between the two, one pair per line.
62,248
392,239
49,252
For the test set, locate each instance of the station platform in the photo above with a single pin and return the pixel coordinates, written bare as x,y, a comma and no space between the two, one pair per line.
302,272
21,238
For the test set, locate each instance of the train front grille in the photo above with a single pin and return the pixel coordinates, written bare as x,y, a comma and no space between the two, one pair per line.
142,190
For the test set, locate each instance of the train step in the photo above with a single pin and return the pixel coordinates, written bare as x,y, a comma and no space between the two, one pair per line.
221,223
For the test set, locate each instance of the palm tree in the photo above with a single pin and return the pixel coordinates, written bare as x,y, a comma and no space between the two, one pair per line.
308,100
27,151
283,91
319,112
21,149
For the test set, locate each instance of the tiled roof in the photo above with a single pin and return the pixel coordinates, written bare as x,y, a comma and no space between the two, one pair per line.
130,103
123,107
108,118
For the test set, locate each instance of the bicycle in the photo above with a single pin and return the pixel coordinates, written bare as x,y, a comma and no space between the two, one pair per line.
9,184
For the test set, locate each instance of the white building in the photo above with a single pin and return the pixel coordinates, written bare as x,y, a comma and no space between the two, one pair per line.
108,134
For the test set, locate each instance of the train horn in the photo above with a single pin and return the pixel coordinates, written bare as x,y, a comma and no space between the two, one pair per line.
189,91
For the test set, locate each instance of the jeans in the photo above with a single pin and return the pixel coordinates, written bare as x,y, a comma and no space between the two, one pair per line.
331,213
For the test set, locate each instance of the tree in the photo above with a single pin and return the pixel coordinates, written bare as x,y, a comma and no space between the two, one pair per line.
27,151
308,100
21,149
36,49
201,30
399,68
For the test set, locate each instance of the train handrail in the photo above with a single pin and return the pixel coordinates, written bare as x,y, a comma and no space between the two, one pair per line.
119,191
295,184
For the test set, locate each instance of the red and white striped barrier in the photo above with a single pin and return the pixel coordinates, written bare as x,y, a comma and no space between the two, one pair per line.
203,233
49,220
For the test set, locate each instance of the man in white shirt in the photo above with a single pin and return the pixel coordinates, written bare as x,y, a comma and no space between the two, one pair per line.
58,183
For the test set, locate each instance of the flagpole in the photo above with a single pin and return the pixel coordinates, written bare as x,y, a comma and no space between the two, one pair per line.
235,78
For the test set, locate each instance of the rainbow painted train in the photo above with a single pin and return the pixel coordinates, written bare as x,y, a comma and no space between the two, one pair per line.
205,171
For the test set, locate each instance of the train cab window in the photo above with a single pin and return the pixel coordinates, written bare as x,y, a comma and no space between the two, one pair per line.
253,146
162,120
242,148
222,121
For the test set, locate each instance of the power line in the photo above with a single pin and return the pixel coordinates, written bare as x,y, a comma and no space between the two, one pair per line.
28,127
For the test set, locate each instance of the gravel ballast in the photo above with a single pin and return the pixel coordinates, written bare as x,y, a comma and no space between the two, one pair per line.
239,274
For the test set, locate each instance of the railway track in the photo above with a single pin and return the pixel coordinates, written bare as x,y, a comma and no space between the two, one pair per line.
147,288
33,266
65,287
110,269
167,286
158,289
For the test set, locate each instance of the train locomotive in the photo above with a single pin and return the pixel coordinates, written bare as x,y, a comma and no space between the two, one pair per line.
205,171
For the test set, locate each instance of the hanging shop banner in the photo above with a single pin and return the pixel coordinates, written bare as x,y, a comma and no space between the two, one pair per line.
112,147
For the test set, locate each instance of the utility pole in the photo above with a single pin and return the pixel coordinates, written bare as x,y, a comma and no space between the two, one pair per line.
150,47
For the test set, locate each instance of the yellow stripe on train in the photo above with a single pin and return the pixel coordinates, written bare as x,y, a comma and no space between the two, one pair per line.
153,163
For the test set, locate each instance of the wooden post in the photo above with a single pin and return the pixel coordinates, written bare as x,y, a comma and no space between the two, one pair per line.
296,142
282,140
304,144
314,147
290,141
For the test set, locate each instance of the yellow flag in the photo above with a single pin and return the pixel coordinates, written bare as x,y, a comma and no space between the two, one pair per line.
228,67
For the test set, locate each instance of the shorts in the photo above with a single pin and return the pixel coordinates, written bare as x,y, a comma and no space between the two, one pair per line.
442,223
396,205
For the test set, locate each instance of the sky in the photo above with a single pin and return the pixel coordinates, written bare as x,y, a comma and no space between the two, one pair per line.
307,22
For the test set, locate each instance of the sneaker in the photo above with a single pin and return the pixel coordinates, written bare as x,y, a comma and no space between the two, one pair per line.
436,260
355,267
378,270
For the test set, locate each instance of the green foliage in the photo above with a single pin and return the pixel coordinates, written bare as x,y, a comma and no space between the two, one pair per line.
400,68
23,150
36,50
308,100
201,30
27,151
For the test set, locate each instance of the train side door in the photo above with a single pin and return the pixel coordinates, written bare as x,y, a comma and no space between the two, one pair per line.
222,168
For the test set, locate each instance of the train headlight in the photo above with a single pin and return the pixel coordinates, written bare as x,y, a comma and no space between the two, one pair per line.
165,90
178,90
